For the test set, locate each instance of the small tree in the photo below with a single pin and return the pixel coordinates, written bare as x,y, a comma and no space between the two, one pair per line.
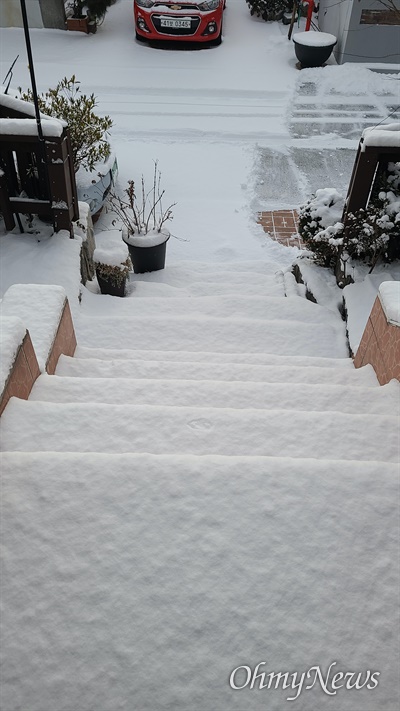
88,131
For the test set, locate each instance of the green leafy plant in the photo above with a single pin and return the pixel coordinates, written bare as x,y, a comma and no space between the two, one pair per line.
143,214
269,9
88,131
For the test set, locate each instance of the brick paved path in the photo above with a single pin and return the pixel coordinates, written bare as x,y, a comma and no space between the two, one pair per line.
281,225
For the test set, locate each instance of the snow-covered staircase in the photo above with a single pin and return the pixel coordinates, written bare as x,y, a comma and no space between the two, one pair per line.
211,463
224,374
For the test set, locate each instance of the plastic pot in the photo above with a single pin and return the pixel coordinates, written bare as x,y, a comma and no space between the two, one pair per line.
109,287
147,259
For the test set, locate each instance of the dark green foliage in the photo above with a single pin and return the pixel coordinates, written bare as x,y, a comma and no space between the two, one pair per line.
95,9
369,235
88,131
269,9
320,227
375,232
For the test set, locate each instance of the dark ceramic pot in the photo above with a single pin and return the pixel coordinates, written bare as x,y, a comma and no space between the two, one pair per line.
313,49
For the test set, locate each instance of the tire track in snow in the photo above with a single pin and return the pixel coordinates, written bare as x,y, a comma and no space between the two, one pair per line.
237,116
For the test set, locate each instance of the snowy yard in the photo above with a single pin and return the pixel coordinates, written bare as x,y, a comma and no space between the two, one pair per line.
209,483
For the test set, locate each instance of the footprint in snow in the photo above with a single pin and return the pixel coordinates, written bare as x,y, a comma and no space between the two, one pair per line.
201,424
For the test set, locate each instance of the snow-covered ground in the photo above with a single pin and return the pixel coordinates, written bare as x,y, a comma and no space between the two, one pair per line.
236,129
140,581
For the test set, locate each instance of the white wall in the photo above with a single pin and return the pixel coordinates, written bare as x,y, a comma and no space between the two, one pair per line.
10,13
333,17
356,42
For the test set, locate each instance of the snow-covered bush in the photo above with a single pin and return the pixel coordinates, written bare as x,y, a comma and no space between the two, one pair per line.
375,232
144,214
88,132
269,9
368,234
320,225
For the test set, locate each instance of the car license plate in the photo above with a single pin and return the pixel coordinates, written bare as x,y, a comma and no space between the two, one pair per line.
167,22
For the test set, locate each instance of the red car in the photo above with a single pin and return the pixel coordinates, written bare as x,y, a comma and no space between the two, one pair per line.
191,20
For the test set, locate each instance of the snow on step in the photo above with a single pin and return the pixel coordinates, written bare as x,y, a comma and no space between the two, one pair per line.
187,271
119,565
36,426
239,285
242,307
212,357
198,279
193,370
234,335
206,393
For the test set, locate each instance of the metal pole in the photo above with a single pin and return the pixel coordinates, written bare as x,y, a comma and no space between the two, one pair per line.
35,101
31,69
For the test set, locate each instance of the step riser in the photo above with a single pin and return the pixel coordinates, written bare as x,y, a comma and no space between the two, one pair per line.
227,289
219,335
210,357
181,393
234,307
74,367
157,430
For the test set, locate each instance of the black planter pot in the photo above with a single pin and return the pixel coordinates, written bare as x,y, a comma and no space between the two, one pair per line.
109,287
147,259
313,55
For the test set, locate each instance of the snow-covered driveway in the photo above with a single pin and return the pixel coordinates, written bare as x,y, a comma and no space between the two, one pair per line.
232,126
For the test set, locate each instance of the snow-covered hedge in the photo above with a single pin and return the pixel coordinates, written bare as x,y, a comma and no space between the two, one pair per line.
368,234
319,223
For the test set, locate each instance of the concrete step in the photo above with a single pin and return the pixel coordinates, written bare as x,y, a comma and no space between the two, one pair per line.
219,394
201,279
228,372
136,562
265,286
212,357
42,426
184,272
233,335
276,308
